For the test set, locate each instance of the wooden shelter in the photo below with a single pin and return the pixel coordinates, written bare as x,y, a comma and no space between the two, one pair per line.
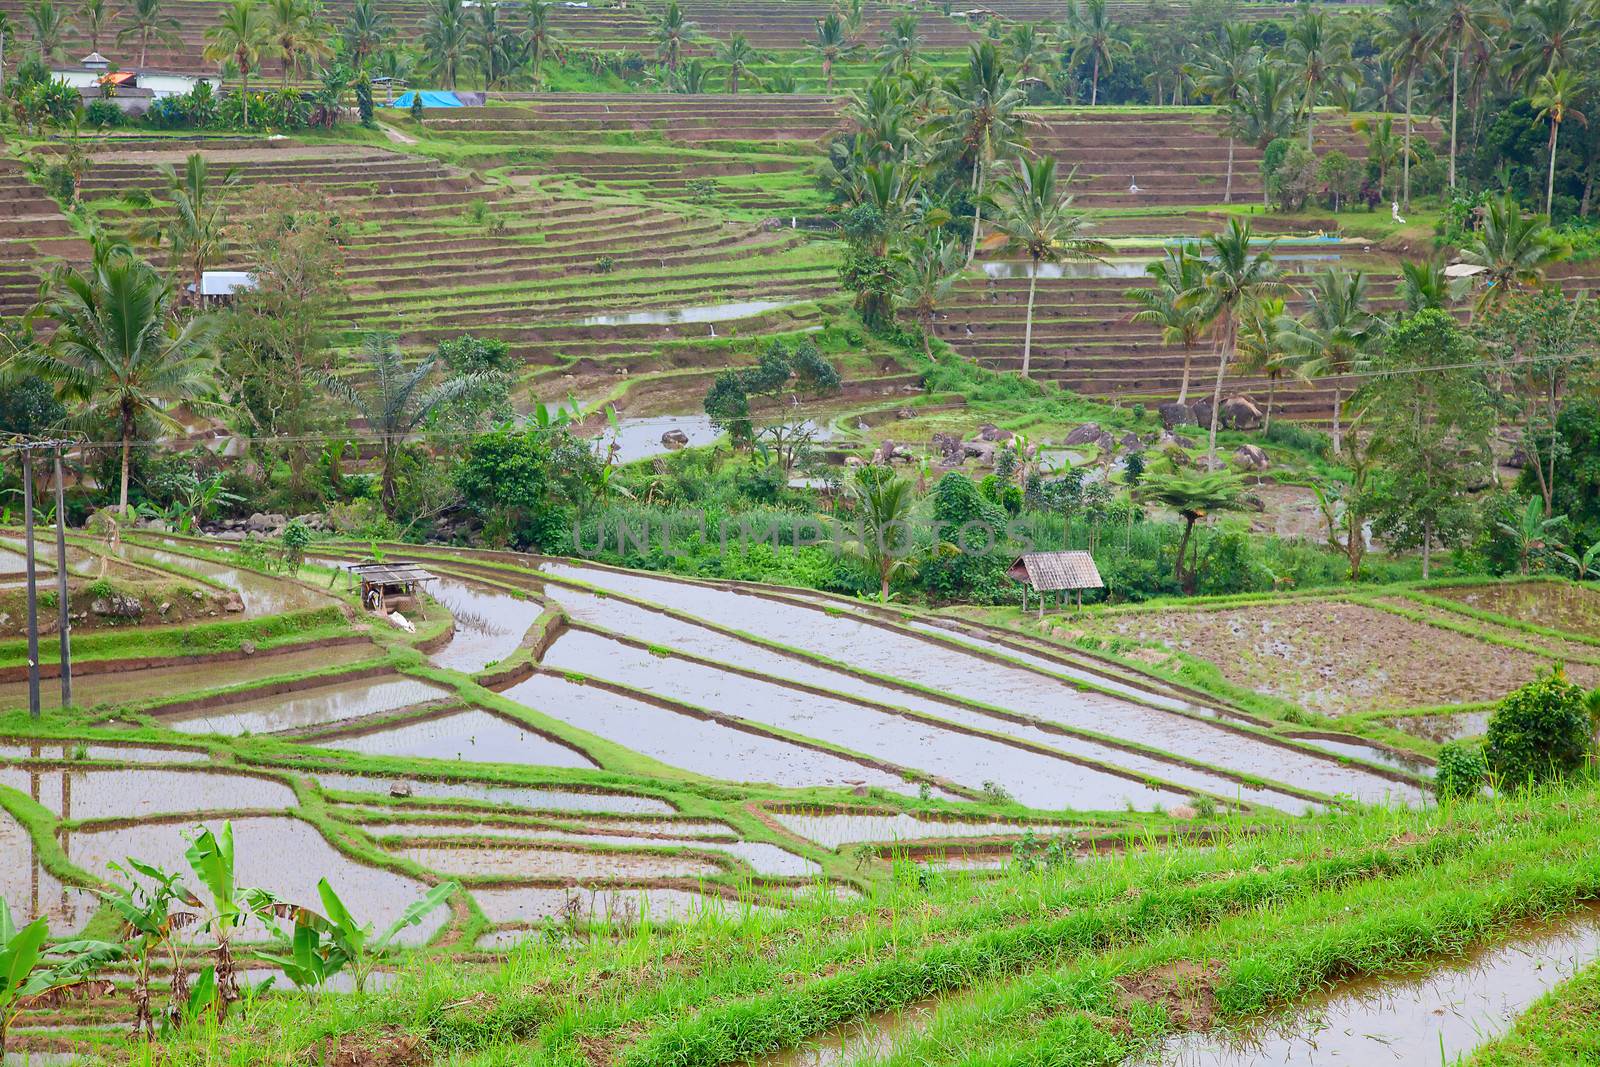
1056,572
387,587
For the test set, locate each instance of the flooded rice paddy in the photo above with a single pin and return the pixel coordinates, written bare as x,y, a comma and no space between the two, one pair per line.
1443,727
119,793
262,595
489,624
470,736
836,829
531,798
1434,1018
521,862
1357,748
95,750
534,904
305,708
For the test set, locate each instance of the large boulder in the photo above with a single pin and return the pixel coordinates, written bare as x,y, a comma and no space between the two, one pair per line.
1251,458
1238,413
990,432
982,451
948,444
1089,433
1175,414
674,439
117,606
265,523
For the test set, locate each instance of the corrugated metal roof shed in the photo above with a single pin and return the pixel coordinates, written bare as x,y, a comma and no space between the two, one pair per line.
1049,572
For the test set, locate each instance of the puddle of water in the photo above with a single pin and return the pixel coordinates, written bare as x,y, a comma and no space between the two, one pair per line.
118,793
26,887
307,707
262,595
906,656
1441,728
870,1038
516,796
705,313
833,830
1115,268
634,829
1432,1019
703,747
1035,779
97,751
1355,747
640,438
513,861
125,686
471,736
534,904
489,625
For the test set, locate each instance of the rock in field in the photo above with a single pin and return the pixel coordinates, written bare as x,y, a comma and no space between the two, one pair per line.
1251,458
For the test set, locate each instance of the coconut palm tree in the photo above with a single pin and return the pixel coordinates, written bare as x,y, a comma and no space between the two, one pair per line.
1318,52
1094,41
738,57
1221,74
239,35
543,38
195,231
1264,330
1515,250
1234,274
365,32
831,45
5,34
1550,35
120,352
927,277
1167,304
296,35
1028,52
500,50
1454,27
1423,285
1033,214
901,43
1338,334
50,27
672,30
145,21
883,506
96,15
1407,25
445,39
1555,97
394,400
979,122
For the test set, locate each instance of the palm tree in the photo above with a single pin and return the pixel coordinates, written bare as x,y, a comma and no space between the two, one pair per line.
120,352
832,44
95,17
1027,52
50,28
395,400
1337,335
240,36
365,31
1550,35
196,229
543,38
1319,54
1264,330
901,42
146,21
1095,42
296,35
1555,96
1514,250
1455,26
1034,215
883,507
672,30
927,277
1266,104
1423,285
1221,75
1407,25
1234,274
1168,306
498,47
5,32
980,121
445,39
738,57
1193,495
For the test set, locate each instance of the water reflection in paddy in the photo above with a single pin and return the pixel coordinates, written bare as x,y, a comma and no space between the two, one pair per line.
304,708
517,796
489,625
471,736
110,793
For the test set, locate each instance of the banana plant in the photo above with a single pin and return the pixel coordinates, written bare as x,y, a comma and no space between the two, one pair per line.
150,927
211,858
313,958
23,981
354,941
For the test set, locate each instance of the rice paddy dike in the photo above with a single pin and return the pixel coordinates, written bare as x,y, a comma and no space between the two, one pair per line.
712,822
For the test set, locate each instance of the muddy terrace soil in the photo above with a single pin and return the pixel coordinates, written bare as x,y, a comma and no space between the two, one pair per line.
1334,658
1557,605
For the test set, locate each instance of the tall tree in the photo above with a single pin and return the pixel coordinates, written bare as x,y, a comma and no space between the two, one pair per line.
1455,26
121,353
1550,35
979,123
1027,53
882,506
96,17
1168,305
1235,273
239,35
1193,495
296,35
1514,249
365,32
445,39
543,38
1033,215
145,21
1556,96
832,44
1318,52
672,30
50,26
195,229
737,55
5,35
1096,43
499,48
1407,26
1221,73
1338,334
902,42
927,276
1264,332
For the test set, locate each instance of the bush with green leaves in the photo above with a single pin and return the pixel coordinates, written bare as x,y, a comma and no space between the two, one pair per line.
1539,732
1462,771
103,114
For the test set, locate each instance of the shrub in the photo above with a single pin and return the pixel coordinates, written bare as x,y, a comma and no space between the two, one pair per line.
103,114
1462,771
604,265
1290,183
1540,731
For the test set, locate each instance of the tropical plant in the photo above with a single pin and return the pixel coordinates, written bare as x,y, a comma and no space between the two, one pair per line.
28,976
901,43
737,55
1318,52
672,30
396,400
1264,331
980,122
5,34
927,276
1221,74
145,21
1266,107
882,505
352,941
1548,36
1539,732
1532,532
1027,53
1555,97
1408,29
500,50
150,926
239,36
1454,27
1423,285
1337,335
831,45
296,36
96,15
445,39
365,32
1168,305
211,858
120,351
543,37
195,229
50,26
1193,495
1095,42
1513,249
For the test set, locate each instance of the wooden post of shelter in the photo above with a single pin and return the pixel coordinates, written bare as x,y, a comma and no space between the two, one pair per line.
1062,573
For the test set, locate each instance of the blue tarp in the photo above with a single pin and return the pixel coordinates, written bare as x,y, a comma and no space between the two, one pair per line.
430,98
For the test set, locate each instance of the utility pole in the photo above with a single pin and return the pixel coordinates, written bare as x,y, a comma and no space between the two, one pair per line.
61,583
33,589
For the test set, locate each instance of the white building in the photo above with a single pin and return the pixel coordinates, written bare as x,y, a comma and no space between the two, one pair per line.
94,71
